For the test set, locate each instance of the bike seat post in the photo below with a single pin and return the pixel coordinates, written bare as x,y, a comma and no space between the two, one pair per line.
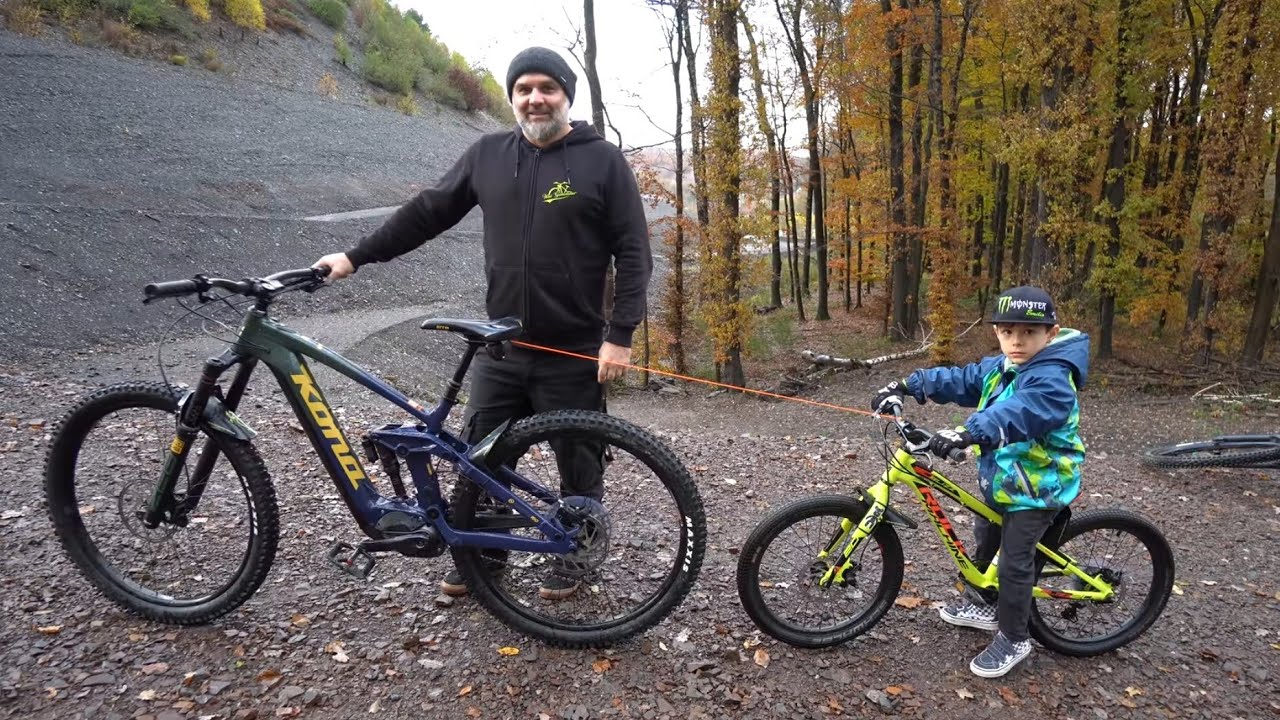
455,384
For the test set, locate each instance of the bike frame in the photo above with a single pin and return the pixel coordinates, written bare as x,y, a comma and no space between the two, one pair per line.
286,353
908,469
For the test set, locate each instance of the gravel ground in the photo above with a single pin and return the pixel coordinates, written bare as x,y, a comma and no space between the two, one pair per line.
76,219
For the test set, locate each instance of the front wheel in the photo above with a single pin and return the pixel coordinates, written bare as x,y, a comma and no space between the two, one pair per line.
1131,554
1237,451
102,465
782,562
641,539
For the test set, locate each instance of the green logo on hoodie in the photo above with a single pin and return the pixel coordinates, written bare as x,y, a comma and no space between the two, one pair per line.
558,191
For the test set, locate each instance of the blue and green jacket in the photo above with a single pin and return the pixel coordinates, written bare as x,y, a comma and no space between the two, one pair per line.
1027,420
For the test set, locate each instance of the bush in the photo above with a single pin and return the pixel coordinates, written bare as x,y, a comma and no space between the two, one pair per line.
199,9
343,51
25,19
332,12
282,20
407,105
469,86
144,14
438,88
393,71
120,36
209,59
178,59
247,14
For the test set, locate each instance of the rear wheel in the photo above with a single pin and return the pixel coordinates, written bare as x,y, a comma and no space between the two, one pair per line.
1131,554
1236,451
642,543
779,569
102,466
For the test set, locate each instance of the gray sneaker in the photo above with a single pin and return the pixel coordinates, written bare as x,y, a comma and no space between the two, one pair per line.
965,613
1000,657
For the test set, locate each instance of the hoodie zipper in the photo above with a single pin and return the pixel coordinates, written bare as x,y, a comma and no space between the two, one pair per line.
528,232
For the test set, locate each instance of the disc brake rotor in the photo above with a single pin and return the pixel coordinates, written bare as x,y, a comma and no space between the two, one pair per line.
594,527
131,505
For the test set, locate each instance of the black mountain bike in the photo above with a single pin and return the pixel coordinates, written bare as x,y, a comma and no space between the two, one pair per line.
161,499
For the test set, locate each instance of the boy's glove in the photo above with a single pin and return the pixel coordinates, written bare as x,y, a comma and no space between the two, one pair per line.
889,396
950,444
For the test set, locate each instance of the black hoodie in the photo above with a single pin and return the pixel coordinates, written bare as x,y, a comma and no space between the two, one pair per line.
553,217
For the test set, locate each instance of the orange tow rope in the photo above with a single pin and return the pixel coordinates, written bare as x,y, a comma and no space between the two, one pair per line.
678,376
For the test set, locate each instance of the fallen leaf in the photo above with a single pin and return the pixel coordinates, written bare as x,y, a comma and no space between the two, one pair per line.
893,690
762,657
1133,691
508,651
1009,695
185,705
464,691
268,675
238,651
473,711
834,703
601,666
1275,646
301,620
1177,590
155,668
147,695
137,637
964,694
1127,703
1208,582
910,602
49,629
375,707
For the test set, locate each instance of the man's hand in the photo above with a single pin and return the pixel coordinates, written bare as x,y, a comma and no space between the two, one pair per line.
944,442
338,264
889,397
612,359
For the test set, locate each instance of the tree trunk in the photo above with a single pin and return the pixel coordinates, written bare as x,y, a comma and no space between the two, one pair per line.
766,127
897,205
1113,193
1000,227
675,300
697,129
589,61
1267,287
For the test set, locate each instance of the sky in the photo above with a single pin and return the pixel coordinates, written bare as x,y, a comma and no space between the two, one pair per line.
631,52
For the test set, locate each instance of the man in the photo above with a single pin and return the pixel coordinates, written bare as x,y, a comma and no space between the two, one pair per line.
559,203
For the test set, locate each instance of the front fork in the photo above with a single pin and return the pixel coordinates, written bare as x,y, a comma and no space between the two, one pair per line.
163,506
852,536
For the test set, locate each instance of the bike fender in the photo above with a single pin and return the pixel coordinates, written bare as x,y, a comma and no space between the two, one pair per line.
218,419
481,449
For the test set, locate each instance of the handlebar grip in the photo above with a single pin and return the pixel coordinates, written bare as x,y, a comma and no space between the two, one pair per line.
171,288
958,455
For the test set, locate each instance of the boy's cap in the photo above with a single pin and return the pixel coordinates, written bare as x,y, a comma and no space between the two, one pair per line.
1024,304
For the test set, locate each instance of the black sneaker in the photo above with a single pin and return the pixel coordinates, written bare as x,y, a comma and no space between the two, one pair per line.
1000,657
558,587
453,583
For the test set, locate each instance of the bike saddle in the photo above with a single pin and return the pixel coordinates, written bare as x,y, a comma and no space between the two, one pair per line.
485,331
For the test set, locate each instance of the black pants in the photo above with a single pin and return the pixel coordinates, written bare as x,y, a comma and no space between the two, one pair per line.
526,382
1019,563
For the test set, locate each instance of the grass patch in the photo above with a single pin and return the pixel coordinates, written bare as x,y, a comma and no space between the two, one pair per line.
121,36
327,85
178,59
282,21
342,50
331,12
407,105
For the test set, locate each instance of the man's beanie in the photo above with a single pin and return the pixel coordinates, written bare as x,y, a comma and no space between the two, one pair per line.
1024,304
541,60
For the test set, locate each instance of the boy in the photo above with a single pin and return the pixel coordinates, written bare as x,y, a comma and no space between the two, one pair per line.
1026,426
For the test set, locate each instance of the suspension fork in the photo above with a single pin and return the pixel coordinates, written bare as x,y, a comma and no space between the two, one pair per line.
853,535
162,507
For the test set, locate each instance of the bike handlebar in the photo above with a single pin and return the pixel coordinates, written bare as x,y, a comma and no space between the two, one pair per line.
917,438
262,288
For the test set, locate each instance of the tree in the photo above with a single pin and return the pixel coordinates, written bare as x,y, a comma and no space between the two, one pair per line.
589,62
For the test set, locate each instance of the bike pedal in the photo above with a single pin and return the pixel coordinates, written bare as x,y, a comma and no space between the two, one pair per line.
351,560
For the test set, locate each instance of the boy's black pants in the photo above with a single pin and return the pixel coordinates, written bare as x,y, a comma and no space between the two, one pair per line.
1019,563
526,382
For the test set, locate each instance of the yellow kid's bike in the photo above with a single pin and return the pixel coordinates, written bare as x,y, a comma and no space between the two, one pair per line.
825,569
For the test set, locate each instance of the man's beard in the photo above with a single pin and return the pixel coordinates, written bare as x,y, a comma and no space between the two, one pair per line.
541,131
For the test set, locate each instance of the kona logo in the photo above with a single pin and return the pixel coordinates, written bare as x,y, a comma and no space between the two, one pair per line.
558,191
323,417
944,525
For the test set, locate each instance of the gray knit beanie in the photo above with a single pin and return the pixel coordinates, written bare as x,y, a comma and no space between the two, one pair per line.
541,60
